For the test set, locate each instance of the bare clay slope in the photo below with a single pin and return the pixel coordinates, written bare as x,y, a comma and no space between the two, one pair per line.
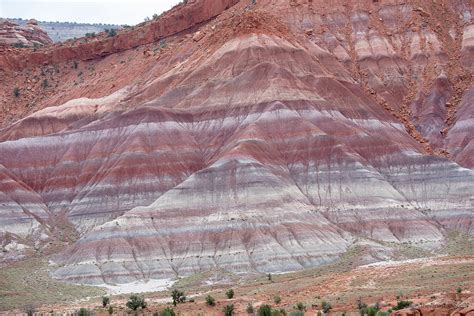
269,139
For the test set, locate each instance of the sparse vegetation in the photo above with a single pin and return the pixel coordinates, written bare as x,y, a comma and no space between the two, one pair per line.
75,64
264,310
168,311
300,306
230,293
19,45
178,296
30,310
45,83
277,299
105,301
269,277
402,304
297,313
110,310
250,309
91,35
84,312
458,290
16,92
278,312
326,307
372,310
210,300
136,301
111,32
229,310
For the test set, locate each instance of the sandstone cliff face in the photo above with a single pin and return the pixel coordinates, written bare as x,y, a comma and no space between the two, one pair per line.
269,138
30,35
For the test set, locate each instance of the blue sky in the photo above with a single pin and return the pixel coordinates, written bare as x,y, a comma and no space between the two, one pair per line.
87,11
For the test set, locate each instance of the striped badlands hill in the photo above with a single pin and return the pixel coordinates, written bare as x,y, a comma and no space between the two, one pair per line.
267,137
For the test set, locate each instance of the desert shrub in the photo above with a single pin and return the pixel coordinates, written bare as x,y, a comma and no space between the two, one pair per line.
45,83
269,277
277,299
229,310
380,313
459,290
136,301
178,297
361,307
30,310
111,32
372,310
402,304
210,300
296,313
167,312
19,45
105,301
278,312
84,312
16,92
110,310
230,293
300,306
75,64
326,307
90,34
250,309
264,310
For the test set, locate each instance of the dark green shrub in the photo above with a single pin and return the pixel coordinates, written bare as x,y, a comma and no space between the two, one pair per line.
278,312
372,310
110,310
277,299
111,32
45,84
229,310
168,312
250,309
210,300
136,301
296,313
326,307
230,293
264,310
84,312
16,92
300,306
105,301
402,304
178,297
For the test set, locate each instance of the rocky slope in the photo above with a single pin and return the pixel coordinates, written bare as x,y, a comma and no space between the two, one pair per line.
265,137
30,35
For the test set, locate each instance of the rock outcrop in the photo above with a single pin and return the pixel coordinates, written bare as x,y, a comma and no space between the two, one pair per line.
30,35
263,138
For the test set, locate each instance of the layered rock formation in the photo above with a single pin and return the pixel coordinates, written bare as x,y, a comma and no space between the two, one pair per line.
269,138
30,35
